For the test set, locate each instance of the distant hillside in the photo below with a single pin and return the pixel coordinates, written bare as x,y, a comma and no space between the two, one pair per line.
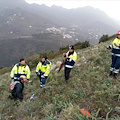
89,88
12,50
18,18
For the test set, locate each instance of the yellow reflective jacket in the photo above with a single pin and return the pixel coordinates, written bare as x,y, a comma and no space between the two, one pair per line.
116,41
71,60
115,50
19,70
44,67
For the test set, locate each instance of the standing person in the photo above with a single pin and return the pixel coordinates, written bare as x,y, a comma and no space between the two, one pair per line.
114,70
71,58
20,73
43,70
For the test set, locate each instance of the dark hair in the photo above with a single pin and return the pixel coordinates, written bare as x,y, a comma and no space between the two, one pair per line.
71,47
45,57
20,78
22,59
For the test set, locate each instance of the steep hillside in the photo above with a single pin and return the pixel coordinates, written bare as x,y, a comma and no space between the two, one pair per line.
89,87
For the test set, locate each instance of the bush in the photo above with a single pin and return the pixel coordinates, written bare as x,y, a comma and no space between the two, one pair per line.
63,48
84,44
78,45
104,38
4,70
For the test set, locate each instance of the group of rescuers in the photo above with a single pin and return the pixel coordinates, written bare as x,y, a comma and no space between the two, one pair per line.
20,73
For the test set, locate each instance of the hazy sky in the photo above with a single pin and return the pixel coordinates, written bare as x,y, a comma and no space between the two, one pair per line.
111,7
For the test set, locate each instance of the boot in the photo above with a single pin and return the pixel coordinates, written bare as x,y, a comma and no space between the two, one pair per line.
10,97
115,75
66,81
111,73
41,86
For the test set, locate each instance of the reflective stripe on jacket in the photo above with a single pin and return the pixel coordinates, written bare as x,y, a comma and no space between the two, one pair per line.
44,68
71,60
19,70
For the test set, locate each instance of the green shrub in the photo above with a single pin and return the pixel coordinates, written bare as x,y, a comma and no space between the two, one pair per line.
4,70
84,44
104,38
63,48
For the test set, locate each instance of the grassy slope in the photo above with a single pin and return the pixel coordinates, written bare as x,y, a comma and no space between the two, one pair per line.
89,87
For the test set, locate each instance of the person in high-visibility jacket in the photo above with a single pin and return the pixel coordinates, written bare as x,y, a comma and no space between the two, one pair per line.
71,57
20,69
114,70
43,70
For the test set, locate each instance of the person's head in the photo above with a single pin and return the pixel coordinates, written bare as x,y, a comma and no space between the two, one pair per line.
22,78
118,34
44,58
71,48
22,62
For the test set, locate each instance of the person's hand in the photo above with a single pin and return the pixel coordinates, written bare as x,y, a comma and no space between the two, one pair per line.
38,74
117,45
43,76
67,56
25,80
64,54
23,101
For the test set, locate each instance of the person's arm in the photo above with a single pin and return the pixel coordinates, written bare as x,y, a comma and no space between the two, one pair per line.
115,43
28,73
109,47
38,69
13,71
64,54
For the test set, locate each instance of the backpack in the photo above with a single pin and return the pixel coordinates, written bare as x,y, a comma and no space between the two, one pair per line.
12,85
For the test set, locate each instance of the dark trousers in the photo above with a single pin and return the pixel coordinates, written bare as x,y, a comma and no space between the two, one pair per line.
67,73
115,64
17,91
42,80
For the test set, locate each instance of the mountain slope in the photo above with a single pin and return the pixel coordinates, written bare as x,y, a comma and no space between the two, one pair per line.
89,87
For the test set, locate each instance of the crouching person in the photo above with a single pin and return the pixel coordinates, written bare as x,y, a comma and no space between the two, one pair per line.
16,88
19,74
43,70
